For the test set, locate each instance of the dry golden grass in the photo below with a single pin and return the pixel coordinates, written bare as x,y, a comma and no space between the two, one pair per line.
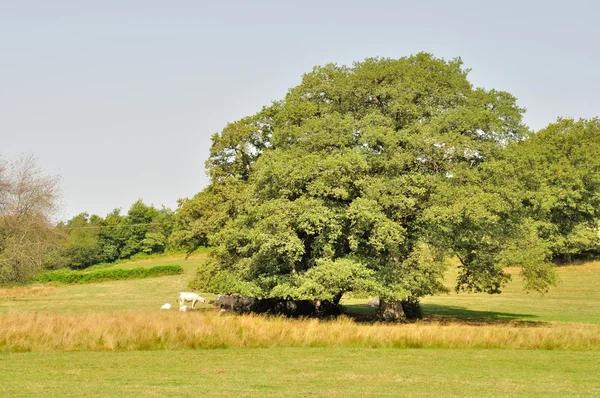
36,290
126,331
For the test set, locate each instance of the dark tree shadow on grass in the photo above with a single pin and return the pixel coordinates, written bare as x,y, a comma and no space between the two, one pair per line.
449,314
453,313
360,312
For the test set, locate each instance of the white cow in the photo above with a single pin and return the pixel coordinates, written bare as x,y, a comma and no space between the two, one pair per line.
374,302
166,307
187,296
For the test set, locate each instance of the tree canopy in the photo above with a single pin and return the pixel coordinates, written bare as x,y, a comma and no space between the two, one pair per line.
364,179
559,169
92,239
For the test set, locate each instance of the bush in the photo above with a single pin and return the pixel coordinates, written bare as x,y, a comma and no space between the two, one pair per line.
71,276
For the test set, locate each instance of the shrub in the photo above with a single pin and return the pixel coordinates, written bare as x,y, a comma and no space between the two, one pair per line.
71,276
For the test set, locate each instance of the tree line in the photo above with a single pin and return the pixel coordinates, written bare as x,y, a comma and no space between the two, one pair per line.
31,240
89,240
364,179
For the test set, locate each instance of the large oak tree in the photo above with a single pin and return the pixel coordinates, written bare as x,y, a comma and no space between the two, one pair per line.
363,179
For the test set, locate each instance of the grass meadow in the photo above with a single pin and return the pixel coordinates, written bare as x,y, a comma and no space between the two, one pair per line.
111,339
300,372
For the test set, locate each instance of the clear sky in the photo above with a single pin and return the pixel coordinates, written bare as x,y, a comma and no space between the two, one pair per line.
120,98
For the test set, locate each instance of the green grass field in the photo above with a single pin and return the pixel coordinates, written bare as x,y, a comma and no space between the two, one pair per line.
301,358
575,299
306,372
138,294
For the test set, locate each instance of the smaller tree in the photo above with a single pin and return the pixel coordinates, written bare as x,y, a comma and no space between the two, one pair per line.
112,234
28,200
560,169
154,242
82,245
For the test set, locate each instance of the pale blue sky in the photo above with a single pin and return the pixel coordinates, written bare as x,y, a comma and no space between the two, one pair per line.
120,98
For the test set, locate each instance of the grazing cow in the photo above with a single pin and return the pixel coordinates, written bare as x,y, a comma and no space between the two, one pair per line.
226,303
241,304
166,307
187,296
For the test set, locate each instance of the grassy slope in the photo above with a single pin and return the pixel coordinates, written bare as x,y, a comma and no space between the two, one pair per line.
294,372
140,294
575,299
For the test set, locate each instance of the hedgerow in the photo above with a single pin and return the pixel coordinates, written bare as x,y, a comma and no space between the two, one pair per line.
71,276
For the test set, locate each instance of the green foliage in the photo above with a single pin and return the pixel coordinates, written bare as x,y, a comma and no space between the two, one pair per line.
153,242
328,279
93,239
478,215
362,179
202,216
113,235
143,232
71,276
560,169
210,277
82,245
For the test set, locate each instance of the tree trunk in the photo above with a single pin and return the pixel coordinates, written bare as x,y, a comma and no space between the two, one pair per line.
391,310
337,298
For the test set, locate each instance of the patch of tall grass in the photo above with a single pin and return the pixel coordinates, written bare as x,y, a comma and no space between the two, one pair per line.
70,276
126,331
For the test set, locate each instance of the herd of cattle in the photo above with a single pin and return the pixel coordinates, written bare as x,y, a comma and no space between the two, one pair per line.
240,304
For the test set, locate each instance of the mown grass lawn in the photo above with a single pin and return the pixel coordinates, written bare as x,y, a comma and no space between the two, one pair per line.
306,372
